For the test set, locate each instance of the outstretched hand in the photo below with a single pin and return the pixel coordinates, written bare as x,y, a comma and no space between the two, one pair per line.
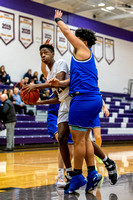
48,42
28,88
106,112
54,82
38,102
58,14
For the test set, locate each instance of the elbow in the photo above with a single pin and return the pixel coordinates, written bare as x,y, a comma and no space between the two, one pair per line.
66,31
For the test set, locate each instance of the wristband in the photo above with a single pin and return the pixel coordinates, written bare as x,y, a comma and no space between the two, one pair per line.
58,19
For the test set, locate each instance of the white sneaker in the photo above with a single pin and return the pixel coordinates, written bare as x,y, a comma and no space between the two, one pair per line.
60,182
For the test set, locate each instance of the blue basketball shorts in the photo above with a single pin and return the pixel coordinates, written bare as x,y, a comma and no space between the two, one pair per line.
53,127
52,124
96,122
84,109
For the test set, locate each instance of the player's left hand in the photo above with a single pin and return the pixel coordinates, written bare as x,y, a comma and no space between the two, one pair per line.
106,112
48,42
38,102
54,82
28,88
58,14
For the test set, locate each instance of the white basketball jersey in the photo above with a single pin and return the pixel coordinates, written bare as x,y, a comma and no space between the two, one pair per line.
60,66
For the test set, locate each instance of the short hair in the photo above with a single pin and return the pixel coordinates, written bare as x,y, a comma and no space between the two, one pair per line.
86,35
48,46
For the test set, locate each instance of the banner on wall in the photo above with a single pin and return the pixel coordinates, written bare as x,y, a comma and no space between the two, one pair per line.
7,33
98,49
109,50
62,44
48,32
70,46
25,31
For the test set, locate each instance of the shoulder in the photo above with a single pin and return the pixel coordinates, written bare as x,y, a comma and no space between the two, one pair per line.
61,61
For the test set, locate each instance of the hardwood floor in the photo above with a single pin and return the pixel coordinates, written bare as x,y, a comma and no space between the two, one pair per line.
36,168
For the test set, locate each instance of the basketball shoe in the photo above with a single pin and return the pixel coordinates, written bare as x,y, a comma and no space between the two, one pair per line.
112,171
93,179
76,182
60,182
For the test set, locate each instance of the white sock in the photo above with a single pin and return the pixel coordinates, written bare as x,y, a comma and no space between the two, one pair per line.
68,169
105,158
61,172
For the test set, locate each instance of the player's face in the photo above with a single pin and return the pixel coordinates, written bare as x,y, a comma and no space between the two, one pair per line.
46,55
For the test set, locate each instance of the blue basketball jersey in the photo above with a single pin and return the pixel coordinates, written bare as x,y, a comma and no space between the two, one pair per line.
84,76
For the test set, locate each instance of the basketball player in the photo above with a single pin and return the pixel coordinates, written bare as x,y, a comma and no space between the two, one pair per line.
53,127
85,104
60,70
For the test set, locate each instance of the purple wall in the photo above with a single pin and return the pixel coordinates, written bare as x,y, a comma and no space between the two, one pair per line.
47,12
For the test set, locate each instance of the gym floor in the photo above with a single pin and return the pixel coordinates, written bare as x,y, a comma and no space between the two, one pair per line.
30,174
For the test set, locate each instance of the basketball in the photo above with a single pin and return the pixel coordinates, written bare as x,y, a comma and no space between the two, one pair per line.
30,97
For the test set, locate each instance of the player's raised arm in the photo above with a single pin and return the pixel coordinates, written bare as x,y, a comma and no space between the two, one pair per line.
75,41
44,70
43,65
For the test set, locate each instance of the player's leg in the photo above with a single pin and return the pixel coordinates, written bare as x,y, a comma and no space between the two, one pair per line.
70,147
78,180
61,178
109,164
93,177
97,135
53,132
101,157
63,134
98,138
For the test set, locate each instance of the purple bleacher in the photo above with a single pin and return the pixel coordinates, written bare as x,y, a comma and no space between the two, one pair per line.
2,87
106,119
126,137
129,99
36,139
104,131
30,140
130,120
114,100
103,119
23,117
129,115
113,109
119,120
125,104
112,106
42,107
114,94
110,125
31,131
128,111
129,125
27,124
